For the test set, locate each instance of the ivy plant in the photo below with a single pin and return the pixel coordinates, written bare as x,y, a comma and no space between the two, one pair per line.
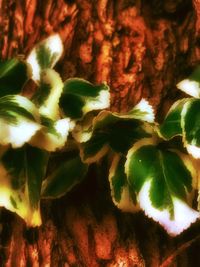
152,167
33,129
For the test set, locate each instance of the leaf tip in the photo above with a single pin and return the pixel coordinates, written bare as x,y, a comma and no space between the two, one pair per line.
144,106
189,87
184,216
193,150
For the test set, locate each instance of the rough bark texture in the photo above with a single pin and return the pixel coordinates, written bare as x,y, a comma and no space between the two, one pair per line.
141,48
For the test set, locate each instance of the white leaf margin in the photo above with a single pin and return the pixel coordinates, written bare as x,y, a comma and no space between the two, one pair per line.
55,45
184,215
19,134
96,157
51,142
50,107
172,108
126,203
144,106
191,148
189,87
102,101
31,216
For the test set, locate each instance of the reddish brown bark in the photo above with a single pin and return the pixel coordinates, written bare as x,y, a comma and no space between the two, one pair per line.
141,48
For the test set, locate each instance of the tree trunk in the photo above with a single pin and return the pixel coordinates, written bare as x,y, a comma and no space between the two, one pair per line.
142,49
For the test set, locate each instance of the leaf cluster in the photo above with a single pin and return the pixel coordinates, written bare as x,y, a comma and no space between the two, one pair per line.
149,169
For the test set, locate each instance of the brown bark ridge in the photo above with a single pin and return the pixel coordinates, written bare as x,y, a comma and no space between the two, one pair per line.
142,49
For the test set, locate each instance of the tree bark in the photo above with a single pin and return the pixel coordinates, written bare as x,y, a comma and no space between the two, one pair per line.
140,48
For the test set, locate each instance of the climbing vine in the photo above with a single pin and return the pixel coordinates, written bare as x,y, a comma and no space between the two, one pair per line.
152,167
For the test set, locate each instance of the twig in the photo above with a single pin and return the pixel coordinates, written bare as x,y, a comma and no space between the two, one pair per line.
179,250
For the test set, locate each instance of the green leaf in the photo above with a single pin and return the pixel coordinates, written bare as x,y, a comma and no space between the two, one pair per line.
191,127
45,55
191,86
13,75
122,195
171,126
118,136
22,171
19,120
117,131
162,180
184,119
123,134
80,97
42,93
82,130
48,94
64,178
53,135
142,111
95,148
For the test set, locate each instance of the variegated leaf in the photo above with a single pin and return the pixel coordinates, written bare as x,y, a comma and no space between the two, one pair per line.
172,126
19,120
22,171
48,94
80,97
45,55
112,130
183,119
82,130
142,111
191,85
190,121
95,148
52,136
122,195
163,182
